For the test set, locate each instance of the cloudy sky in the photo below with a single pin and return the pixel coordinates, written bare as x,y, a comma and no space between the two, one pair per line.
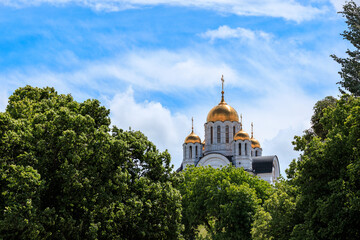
157,63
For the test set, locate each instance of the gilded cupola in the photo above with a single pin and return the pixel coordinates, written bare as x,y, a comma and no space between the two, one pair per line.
192,137
222,112
241,135
254,143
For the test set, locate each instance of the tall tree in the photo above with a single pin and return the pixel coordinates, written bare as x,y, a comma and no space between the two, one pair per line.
278,215
321,197
350,66
223,201
64,174
326,175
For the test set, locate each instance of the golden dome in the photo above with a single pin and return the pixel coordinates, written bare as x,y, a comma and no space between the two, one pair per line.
255,143
192,138
222,112
241,135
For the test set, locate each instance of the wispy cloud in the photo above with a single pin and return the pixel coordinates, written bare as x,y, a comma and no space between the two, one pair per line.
265,83
338,4
287,9
225,32
159,124
159,70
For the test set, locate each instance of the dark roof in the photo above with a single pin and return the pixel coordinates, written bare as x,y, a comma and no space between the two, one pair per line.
263,164
180,168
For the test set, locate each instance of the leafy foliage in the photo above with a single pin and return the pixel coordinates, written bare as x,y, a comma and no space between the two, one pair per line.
279,214
321,198
350,66
327,175
223,201
64,174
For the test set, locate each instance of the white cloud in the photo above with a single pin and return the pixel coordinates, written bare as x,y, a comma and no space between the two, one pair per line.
264,83
225,32
287,9
159,70
338,4
3,100
164,70
165,129
281,146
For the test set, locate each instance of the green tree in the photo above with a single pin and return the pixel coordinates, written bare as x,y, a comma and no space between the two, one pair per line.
321,197
350,66
326,176
316,126
64,174
278,215
223,201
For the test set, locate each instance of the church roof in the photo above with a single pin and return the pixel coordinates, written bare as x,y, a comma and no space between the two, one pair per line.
241,135
263,164
192,138
222,112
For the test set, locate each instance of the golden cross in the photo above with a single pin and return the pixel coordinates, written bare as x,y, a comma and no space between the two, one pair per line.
222,92
222,80
192,124
252,130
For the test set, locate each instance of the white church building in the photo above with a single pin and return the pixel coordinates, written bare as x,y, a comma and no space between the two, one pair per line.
227,143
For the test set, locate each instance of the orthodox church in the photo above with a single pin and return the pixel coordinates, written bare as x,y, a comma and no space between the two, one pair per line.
227,143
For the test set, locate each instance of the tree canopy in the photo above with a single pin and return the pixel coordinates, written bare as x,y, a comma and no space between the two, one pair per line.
327,174
65,174
223,201
321,198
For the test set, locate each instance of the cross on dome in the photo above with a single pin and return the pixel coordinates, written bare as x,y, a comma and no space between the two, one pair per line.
222,85
222,112
192,124
252,130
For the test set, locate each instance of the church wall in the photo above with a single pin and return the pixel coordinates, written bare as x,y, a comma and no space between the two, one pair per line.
222,147
192,152
267,177
240,159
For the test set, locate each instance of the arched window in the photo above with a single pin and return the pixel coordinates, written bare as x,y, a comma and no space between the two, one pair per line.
234,131
239,149
218,134
196,151
190,152
245,149
256,153
227,134
211,135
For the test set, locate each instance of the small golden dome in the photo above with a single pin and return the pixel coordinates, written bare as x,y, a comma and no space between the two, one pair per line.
241,135
255,143
222,112
192,138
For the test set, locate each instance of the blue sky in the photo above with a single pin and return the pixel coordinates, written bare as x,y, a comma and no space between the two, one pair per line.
157,63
